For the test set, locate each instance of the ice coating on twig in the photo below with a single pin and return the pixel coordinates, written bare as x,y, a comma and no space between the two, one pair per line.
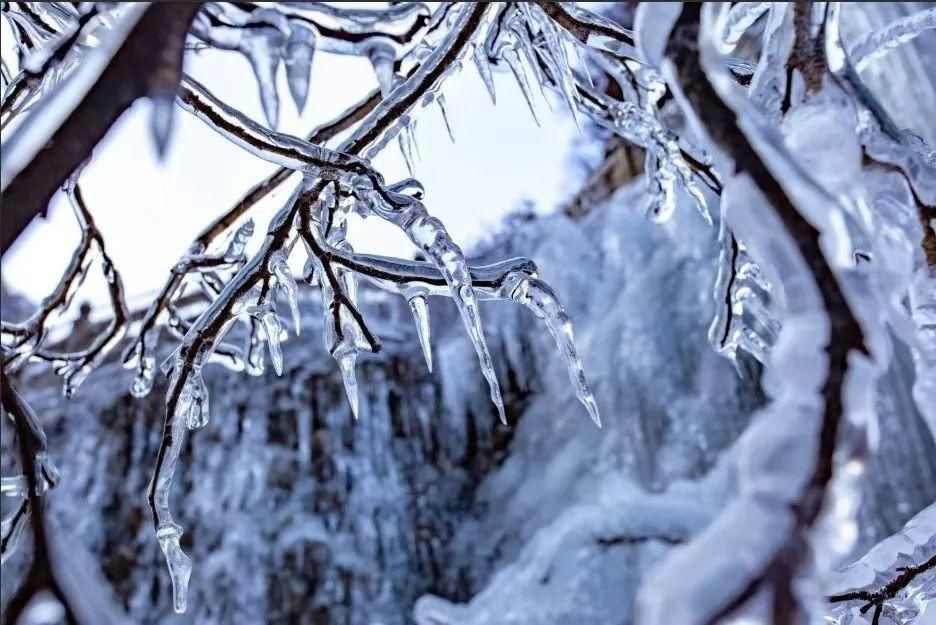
297,57
420,310
542,300
903,30
193,404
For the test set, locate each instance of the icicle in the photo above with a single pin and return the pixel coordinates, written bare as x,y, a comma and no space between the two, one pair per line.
161,122
440,100
265,313
300,48
254,362
180,565
513,60
541,299
382,57
240,238
346,363
480,58
279,267
562,71
264,49
430,236
420,310
406,142
272,328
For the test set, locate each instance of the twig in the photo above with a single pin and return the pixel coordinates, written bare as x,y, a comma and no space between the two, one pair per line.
888,591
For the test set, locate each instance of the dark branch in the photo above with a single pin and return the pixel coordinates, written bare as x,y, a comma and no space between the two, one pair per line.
135,71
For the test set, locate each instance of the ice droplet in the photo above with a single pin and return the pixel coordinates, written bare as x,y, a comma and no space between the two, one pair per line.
420,312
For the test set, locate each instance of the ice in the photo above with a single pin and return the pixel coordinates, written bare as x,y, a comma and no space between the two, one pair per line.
346,364
440,100
417,305
161,122
738,20
193,402
297,57
265,314
382,56
541,299
279,267
255,341
903,30
180,565
431,237
480,58
510,56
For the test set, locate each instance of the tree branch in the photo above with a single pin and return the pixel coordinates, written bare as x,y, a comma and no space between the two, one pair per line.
134,71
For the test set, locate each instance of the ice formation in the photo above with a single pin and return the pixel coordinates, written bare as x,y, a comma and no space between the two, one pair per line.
822,202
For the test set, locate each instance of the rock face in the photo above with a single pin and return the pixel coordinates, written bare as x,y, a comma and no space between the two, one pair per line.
296,513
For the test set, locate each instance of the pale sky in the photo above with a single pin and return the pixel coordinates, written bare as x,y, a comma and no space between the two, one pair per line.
149,211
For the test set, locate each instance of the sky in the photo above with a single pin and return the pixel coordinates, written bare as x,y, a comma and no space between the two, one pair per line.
149,211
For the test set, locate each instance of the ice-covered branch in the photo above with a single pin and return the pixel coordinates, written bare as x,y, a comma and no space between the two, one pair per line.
590,28
878,598
30,78
774,512
875,45
141,353
26,340
186,391
67,124
291,33
40,475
